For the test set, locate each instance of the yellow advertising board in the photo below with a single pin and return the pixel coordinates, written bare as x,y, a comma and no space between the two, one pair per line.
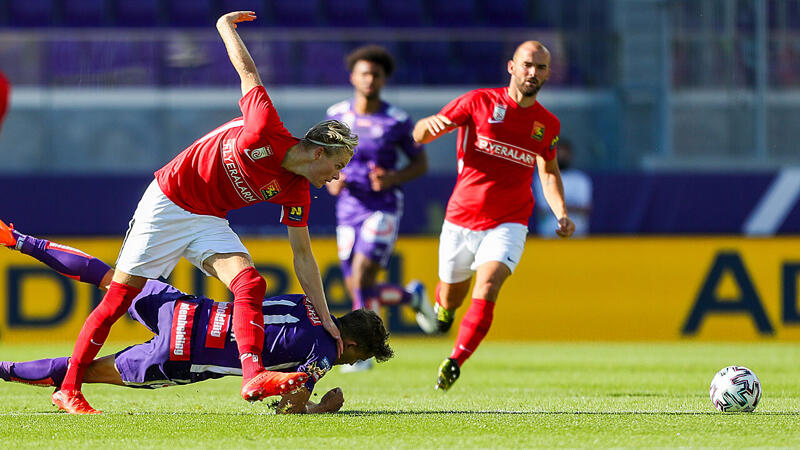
585,289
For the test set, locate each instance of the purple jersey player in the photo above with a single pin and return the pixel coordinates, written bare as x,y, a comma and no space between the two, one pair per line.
370,201
194,339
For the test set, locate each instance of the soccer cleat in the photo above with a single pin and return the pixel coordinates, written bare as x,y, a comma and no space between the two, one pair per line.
448,374
444,318
426,316
267,383
7,238
73,402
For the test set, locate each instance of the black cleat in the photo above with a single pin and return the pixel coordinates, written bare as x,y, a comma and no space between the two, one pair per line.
448,374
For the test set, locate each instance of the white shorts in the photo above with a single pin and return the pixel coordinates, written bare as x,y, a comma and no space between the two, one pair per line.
462,251
161,232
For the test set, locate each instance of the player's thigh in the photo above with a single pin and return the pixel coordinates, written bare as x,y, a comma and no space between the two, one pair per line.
455,255
157,236
489,278
504,243
216,247
225,266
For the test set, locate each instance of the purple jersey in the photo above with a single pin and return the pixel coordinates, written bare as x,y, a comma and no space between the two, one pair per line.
380,136
194,339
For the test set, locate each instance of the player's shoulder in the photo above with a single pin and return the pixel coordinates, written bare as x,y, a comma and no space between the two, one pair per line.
396,113
338,109
548,115
486,93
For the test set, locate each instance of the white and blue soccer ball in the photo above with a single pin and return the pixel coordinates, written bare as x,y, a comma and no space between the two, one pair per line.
734,389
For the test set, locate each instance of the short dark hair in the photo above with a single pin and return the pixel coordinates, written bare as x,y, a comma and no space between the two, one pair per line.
367,330
374,54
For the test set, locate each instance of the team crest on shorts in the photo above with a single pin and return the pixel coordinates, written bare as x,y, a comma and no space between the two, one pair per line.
259,153
538,131
270,190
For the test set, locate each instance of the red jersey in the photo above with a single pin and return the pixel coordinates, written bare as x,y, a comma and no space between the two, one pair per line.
5,93
239,164
498,141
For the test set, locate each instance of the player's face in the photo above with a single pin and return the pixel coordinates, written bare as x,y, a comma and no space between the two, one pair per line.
529,70
326,168
368,78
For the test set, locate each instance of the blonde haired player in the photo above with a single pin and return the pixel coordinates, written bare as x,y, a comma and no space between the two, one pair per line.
182,214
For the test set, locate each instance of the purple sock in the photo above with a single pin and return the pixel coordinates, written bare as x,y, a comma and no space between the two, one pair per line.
392,294
43,372
65,260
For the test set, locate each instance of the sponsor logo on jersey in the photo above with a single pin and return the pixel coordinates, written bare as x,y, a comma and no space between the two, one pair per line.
234,173
218,325
505,151
259,153
538,131
271,189
554,143
296,213
311,312
499,113
180,340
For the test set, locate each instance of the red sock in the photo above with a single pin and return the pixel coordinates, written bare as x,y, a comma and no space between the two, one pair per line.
473,329
248,289
95,331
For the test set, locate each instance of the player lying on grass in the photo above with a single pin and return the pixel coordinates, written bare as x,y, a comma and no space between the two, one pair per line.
194,339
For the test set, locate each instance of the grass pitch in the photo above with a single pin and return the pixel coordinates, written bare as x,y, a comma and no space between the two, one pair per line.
509,395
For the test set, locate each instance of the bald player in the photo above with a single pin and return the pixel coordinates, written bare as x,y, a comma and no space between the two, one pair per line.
503,134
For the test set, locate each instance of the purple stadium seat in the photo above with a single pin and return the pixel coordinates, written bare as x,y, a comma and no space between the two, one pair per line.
323,63
191,13
486,60
546,13
108,63
85,13
30,13
348,13
436,63
275,61
508,13
407,13
295,13
258,6
453,13
138,13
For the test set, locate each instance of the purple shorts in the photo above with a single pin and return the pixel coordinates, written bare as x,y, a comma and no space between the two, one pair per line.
148,365
374,238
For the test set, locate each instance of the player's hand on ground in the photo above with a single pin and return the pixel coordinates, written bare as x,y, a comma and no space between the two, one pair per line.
237,16
438,124
565,227
333,330
380,178
333,400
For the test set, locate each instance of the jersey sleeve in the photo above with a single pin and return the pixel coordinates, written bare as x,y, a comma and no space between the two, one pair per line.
260,118
407,143
459,109
552,147
295,216
319,362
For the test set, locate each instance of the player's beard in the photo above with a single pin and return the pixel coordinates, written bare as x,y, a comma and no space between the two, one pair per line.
530,91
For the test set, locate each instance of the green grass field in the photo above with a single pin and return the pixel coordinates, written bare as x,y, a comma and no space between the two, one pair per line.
509,395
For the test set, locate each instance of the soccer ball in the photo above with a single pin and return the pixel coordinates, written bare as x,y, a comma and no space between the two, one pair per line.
735,388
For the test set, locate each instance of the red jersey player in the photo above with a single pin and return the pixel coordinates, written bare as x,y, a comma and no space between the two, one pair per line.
245,161
5,95
503,134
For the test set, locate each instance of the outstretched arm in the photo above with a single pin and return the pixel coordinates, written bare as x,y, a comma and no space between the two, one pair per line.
299,403
237,52
431,127
553,189
307,271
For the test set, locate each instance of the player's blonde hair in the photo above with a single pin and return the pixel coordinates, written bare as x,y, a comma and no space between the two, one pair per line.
333,136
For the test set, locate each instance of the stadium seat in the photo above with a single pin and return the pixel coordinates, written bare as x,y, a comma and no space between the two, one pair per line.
191,13
436,63
508,13
348,13
295,13
546,13
486,60
453,13
258,6
407,13
30,13
86,13
323,63
139,13
102,63
275,61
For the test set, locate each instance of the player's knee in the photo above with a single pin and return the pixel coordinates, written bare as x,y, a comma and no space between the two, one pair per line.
488,290
249,284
